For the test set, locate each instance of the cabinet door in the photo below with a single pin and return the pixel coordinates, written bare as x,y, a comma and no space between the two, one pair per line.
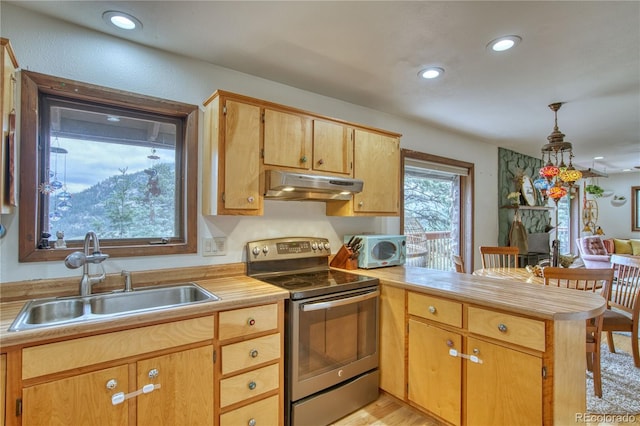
287,140
332,147
434,376
377,163
78,400
185,395
392,341
512,378
241,157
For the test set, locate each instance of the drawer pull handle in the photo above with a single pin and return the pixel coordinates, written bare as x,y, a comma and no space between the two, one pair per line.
251,322
252,385
432,309
253,353
252,422
112,384
153,373
502,328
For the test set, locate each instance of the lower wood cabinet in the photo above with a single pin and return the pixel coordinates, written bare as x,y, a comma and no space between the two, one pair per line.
469,365
78,400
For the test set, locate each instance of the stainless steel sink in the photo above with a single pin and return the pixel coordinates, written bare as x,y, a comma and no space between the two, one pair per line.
39,313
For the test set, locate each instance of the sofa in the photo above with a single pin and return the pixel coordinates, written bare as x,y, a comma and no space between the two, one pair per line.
596,251
593,252
627,247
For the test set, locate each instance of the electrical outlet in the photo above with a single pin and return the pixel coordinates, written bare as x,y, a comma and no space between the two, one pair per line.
216,246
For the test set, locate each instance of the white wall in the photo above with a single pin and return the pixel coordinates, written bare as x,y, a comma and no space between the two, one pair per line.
52,47
616,221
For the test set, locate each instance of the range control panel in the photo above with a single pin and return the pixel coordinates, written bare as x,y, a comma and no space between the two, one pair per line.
288,248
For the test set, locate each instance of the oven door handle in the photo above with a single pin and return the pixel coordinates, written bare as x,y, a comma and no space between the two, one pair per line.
339,302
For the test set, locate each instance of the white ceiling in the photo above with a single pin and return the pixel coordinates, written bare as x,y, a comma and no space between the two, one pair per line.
586,54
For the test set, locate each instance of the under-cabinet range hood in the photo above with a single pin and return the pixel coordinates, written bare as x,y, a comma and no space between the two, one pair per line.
281,185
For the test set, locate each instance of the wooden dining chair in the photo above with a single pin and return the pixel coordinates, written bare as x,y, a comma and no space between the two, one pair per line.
624,304
499,257
458,263
583,279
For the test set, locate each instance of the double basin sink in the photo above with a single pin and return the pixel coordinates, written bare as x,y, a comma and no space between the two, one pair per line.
40,313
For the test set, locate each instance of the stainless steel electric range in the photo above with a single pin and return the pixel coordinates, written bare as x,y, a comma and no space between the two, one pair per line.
331,329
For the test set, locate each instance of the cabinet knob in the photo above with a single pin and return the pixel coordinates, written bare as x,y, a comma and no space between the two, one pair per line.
153,373
321,161
112,384
361,203
502,328
253,353
450,343
303,159
432,309
252,385
250,199
251,322
476,351
252,422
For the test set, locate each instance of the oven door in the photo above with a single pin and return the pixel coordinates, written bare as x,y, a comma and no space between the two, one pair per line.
333,338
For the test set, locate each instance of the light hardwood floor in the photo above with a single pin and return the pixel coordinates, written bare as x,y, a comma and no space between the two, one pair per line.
389,411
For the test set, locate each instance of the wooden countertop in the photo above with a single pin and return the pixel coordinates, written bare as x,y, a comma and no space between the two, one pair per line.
534,300
236,291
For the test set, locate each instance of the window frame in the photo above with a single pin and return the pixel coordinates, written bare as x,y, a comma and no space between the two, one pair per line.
466,199
32,85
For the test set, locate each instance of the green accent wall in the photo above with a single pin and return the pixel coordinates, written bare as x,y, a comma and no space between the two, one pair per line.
510,165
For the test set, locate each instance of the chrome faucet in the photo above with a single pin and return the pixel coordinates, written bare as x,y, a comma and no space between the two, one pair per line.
77,259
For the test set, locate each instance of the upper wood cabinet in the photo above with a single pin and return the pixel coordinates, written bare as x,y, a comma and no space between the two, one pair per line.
332,147
245,136
231,164
8,87
287,140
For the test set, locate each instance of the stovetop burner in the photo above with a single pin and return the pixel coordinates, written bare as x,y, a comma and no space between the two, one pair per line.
310,284
300,265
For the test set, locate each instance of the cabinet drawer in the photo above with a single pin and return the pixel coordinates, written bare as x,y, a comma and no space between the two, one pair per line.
250,384
75,353
435,309
509,328
241,322
250,352
263,413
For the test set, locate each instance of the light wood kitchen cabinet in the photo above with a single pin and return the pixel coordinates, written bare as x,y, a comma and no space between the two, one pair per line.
8,87
186,390
3,387
376,161
231,163
452,367
287,140
78,400
435,377
332,147
251,370
178,384
512,378
393,334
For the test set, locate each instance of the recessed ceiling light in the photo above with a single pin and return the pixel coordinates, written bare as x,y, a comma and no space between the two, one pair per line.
431,72
504,43
122,20
600,157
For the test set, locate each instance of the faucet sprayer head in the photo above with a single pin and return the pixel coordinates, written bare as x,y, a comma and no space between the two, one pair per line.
75,260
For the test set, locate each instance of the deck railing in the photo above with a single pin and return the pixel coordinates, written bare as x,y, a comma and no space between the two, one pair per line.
430,250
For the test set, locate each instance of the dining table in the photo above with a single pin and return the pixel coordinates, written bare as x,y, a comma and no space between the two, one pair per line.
515,274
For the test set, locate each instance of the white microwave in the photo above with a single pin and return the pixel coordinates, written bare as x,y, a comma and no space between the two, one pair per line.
378,251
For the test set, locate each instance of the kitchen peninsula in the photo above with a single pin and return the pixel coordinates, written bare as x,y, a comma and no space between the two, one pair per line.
475,350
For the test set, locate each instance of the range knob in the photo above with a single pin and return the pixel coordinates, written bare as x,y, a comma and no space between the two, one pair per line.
255,251
265,249
327,246
314,246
